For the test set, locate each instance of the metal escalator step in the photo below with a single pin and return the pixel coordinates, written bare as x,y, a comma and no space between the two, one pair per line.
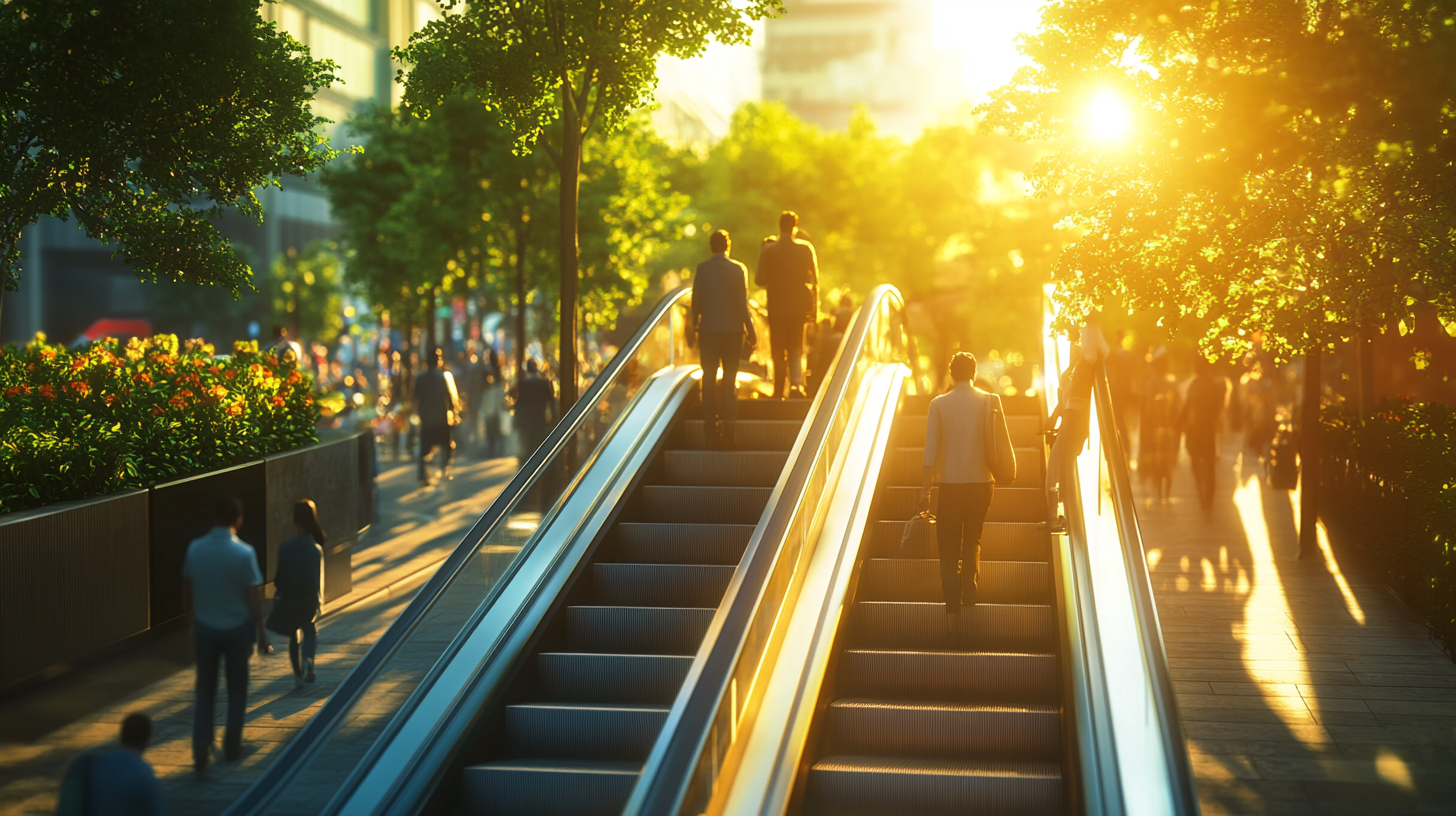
897,624
1008,504
656,630
756,409
683,543
533,787
907,464
855,785
980,676
1000,541
751,434
914,404
704,505
1022,405
724,468
691,585
584,677
918,579
616,733
949,730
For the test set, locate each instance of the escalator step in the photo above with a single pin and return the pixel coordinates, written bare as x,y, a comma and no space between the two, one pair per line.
914,405
873,785
690,585
579,677
683,543
753,434
979,676
1000,541
637,629
1008,504
724,468
906,467
617,733
549,788
949,730
704,505
758,409
896,624
1023,405
918,579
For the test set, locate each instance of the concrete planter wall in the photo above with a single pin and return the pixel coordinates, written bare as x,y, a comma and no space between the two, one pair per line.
328,473
78,577
183,510
73,580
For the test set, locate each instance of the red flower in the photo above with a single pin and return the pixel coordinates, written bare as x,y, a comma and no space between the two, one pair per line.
158,411
230,374
47,392
78,388
142,378
110,400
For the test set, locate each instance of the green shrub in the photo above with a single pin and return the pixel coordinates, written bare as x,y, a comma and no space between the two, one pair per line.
1392,485
79,423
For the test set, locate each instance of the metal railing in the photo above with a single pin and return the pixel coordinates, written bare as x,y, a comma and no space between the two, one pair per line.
704,740
1123,712
327,754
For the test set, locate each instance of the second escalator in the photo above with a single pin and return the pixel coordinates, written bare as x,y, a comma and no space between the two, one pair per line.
912,721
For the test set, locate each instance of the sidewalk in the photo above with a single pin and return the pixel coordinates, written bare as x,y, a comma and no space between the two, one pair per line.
42,730
1305,687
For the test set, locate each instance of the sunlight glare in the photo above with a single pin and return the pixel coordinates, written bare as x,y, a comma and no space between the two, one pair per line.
1107,118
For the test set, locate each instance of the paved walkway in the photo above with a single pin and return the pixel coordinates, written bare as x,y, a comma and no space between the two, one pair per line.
42,730
1305,687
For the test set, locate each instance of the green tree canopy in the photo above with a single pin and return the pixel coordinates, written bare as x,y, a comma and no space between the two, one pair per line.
581,65
1288,170
146,119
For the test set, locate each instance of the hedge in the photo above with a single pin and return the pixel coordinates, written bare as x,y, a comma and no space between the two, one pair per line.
86,422
1392,486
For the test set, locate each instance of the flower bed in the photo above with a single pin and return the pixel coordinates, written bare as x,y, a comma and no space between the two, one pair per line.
78,423
1392,484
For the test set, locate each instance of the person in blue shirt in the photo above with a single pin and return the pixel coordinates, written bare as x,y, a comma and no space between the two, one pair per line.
114,780
222,593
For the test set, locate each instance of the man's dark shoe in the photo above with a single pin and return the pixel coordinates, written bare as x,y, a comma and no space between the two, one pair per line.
797,393
1058,526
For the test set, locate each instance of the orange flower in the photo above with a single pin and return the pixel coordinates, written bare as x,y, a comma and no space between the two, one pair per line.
175,402
277,402
219,392
18,390
214,371
78,388
158,411
47,392
78,364
230,374
47,354
236,409
110,400
142,378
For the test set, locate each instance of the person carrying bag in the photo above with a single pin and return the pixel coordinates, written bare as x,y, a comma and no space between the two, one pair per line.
968,442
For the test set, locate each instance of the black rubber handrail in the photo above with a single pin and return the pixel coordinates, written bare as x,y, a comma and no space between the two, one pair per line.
668,783
293,759
1155,652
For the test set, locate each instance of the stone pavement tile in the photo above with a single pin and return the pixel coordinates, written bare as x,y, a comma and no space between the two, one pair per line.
1380,692
1274,746
1236,674
1252,797
1412,707
1380,797
1407,679
1258,689
1222,766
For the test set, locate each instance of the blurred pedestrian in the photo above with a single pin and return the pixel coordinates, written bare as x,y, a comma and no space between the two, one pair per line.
222,592
1070,420
1158,427
956,439
477,377
437,404
493,404
114,780
721,322
789,269
282,344
1121,369
298,591
535,397
843,314
1202,412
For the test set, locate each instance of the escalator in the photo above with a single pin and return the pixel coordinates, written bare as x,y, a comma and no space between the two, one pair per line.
578,720
913,720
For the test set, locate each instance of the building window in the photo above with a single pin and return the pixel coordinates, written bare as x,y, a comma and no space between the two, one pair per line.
355,59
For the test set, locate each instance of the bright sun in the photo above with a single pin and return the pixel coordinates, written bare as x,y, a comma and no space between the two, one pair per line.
1106,117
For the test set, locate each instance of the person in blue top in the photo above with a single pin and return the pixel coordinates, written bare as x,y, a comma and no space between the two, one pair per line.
298,590
114,780
222,593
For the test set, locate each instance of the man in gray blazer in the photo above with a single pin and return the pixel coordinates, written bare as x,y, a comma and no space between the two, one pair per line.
720,319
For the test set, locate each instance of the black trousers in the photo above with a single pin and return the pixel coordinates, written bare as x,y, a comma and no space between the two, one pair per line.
720,397
960,517
431,438
786,344
232,647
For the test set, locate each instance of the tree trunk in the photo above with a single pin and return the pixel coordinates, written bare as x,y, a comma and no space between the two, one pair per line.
404,388
1309,458
1365,365
2,310
430,339
521,242
570,170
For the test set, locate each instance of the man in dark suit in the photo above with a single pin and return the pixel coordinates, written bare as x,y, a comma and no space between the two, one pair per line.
437,403
789,270
535,397
720,319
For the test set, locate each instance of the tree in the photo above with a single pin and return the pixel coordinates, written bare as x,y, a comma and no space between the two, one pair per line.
305,290
581,65
144,121
1289,171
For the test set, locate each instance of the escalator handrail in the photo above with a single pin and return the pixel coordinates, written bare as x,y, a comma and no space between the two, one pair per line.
300,751
668,773
1155,653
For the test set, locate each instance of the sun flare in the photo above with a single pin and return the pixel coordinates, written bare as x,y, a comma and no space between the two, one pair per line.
1107,117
